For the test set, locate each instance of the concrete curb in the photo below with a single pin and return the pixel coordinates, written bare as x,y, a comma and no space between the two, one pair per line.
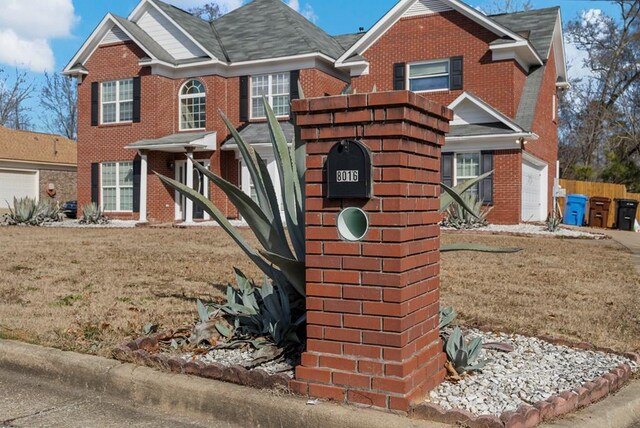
187,395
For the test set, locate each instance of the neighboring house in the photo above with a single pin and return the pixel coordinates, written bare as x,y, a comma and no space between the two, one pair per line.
151,87
40,166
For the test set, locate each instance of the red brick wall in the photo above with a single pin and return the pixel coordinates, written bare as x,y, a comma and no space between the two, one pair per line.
316,83
507,187
546,148
373,305
443,36
160,117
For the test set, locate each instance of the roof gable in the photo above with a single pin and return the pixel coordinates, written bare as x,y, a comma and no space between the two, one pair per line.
129,29
403,6
469,109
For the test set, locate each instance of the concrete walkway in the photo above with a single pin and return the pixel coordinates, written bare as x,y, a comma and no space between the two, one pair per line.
629,240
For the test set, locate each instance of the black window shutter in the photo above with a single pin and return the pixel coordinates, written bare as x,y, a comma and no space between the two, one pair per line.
399,76
95,103
456,81
446,169
136,99
136,184
244,98
294,78
486,186
95,183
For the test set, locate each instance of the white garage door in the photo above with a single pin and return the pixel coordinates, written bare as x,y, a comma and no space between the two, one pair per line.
17,184
534,192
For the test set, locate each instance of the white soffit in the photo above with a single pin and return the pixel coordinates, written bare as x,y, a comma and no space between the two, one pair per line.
426,7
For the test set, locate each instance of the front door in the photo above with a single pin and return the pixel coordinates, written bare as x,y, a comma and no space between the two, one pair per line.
200,183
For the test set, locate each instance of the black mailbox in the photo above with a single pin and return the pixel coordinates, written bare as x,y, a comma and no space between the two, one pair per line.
349,171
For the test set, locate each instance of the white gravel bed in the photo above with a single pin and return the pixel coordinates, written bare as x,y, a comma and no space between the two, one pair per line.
230,357
113,224
535,371
534,229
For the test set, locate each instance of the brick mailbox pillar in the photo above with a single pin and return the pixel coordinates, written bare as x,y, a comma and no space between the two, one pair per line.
373,305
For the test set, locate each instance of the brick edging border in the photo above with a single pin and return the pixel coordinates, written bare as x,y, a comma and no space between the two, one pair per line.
141,351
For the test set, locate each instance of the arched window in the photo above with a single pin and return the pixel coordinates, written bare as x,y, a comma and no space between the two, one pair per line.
192,106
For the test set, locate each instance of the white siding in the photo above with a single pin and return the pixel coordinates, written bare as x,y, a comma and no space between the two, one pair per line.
426,7
168,35
469,113
114,35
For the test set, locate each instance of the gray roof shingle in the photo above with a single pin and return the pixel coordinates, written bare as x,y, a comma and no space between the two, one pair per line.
258,133
199,29
348,40
167,140
539,23
266,29
529,98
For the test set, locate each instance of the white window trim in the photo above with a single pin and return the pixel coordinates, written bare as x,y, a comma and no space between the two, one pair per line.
269,96
117,187
554,107
188,96
408,71
455,166
117,102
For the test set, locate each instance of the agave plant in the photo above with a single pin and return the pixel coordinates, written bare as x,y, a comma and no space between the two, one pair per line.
447,315
464,354
92,214
261,312
281,259
553,222
48,211
458,217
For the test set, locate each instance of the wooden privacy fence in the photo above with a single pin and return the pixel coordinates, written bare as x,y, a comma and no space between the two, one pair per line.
605,190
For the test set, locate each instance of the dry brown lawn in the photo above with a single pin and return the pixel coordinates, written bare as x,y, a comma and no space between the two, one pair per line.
88,290
577,290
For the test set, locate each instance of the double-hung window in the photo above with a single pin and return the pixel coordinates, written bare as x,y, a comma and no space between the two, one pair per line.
117,186
117,101
429,76
275,87
467,168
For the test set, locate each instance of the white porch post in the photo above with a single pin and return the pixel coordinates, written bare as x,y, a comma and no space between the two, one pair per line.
143,186
188,215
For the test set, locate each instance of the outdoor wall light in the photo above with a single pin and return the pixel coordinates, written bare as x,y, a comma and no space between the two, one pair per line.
171,164
353,224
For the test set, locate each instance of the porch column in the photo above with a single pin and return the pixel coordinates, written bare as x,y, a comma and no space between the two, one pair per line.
143,186
188,215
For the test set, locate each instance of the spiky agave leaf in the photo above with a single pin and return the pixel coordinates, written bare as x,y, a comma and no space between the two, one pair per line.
454,194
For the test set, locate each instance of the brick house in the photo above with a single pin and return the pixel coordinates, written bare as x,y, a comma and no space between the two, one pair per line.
151,87
36,165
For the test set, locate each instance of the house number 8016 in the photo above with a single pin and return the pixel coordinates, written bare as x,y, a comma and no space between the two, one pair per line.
347,176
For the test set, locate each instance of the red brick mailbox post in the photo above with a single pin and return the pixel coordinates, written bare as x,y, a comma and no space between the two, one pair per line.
373,305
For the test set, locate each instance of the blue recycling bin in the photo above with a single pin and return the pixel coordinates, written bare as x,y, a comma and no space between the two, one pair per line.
575,210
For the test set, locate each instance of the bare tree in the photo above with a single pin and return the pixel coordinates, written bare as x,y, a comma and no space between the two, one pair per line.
208,12
509,6
598,116
59,101
13,95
